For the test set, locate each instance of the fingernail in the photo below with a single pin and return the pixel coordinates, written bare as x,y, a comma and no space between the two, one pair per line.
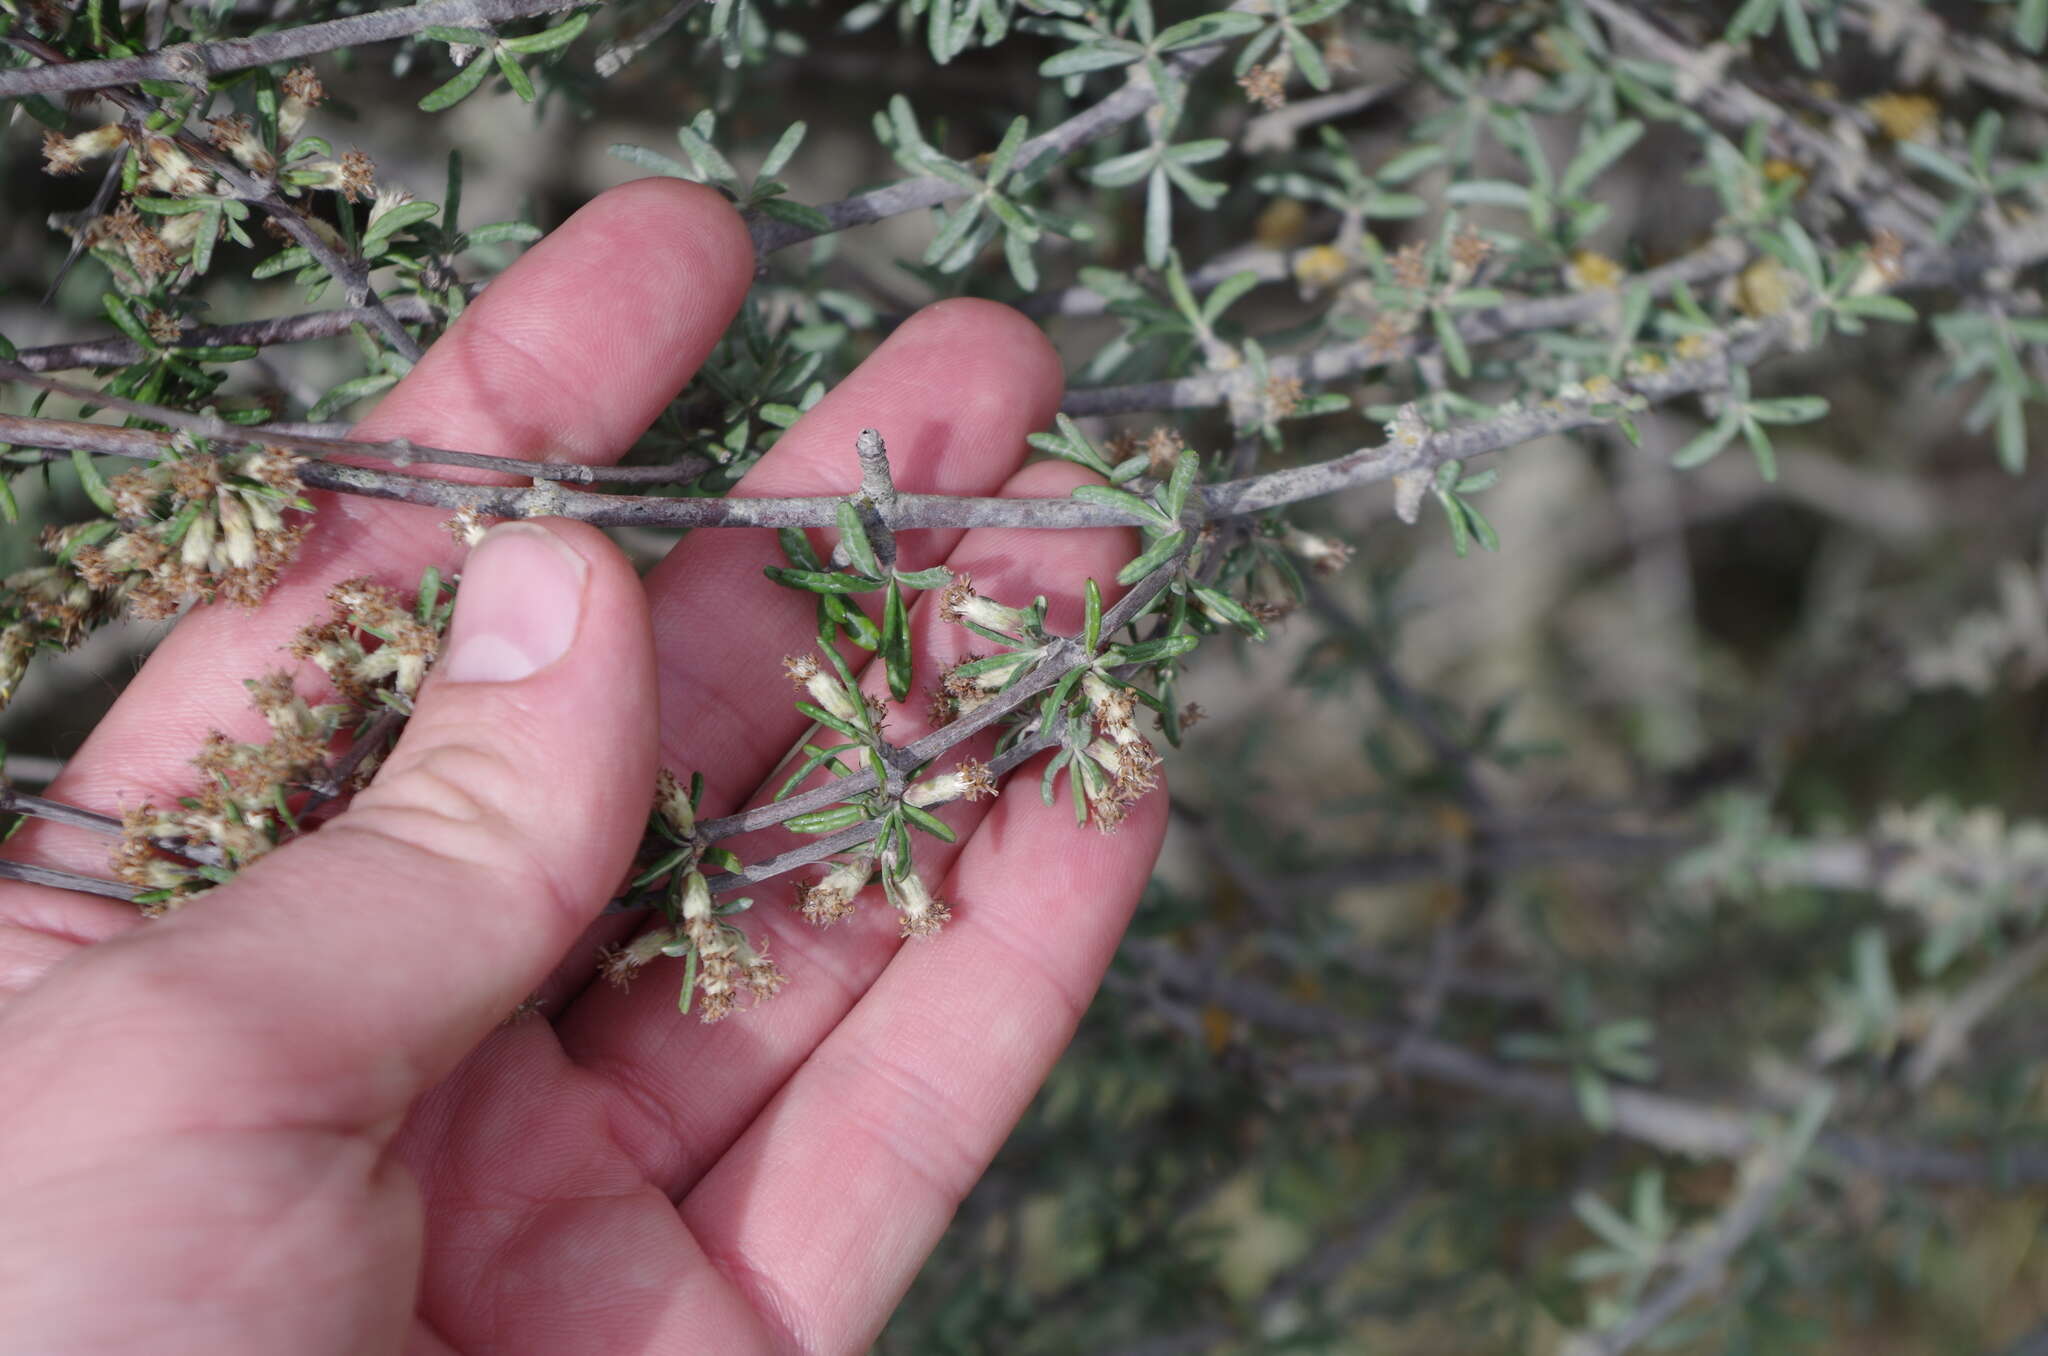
517,609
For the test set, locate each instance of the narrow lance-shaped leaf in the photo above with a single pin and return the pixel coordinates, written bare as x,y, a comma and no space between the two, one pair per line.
896,642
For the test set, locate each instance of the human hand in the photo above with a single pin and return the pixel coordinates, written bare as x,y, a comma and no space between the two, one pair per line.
287,1118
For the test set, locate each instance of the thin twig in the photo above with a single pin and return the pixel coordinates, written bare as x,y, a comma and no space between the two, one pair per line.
1716,260
150,445
1745,343
194,63
1949,1033
66,880
118,350
370,741
13,802
1670,1124
1368,465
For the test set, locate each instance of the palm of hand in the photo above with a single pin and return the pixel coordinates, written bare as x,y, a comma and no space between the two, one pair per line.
268,1124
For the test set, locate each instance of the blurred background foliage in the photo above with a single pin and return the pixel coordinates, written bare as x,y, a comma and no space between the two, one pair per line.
1637,925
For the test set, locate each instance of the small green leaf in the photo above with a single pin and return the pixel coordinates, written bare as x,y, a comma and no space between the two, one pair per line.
89,478
547,40
118,311
1789,409
1150,651
1175,495
459,37
1452,342
1707,444
458,88
930,823
1760,446
1218,27
1081,60
498,232
822,581
785,147
1154,556
1596,155
896,642
853,539
1006,152
1123,501
1223,607
515,74
709,162
650,160
398,219
1879,307
1158,218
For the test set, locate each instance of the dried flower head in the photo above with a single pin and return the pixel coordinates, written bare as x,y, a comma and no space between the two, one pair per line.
823,688
1282,397
169,171
1162,448
971,780
302,94
236,134
466,526
1469,250
1410,266
919,912
831,899
354,176
67,155
962,606
1265,86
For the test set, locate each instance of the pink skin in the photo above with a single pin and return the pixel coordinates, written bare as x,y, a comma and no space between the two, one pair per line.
287,1119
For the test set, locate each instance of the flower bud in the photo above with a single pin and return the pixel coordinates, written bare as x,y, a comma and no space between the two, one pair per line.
696,897
67,155
672,802
961,605
238,535
302,94
620,962
829,900
197,547
824,689
969,781
920,912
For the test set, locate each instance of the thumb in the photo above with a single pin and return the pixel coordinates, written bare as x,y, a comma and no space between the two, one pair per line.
352,968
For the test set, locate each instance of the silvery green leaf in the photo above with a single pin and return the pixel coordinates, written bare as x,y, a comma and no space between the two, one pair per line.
1122,170
1217,27
1158,219
1596,155
785,147
1110,52
709,162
